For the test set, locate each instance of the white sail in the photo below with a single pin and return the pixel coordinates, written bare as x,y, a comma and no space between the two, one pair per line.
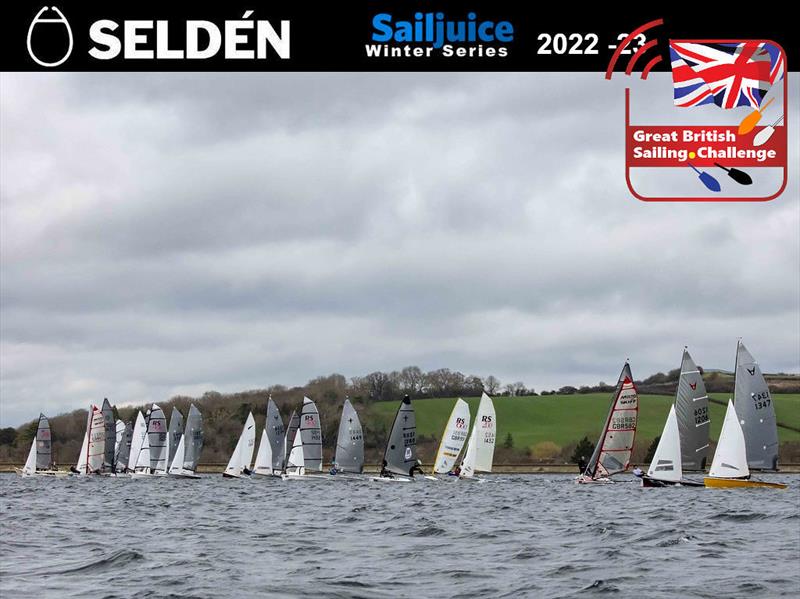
243,453
139,433
453,438
486,423
296,463
81,465
730,459
176,467
29,469
142,464
263,463
666,464
95,454
468,464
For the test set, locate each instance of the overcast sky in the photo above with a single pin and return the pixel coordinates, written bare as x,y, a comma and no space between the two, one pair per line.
177,233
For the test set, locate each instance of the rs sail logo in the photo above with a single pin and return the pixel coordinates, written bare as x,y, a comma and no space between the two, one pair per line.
52,36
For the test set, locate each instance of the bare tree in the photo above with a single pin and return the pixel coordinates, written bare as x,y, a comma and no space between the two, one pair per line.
491,384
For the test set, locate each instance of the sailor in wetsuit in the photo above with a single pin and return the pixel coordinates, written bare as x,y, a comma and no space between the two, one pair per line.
416,468
384,472
637,472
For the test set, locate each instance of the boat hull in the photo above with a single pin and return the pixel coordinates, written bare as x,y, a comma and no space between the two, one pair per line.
655,483
736,483
585,480
394,479
50,473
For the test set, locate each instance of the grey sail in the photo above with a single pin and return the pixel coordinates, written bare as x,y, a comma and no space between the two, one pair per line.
275,434
192,439
401,450
756,412
110,425
350,441
157,437
311,435
691,409
175,433
124,452
44,456
294,424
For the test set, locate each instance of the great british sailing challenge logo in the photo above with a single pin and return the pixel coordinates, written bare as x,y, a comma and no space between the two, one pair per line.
722,137
51,37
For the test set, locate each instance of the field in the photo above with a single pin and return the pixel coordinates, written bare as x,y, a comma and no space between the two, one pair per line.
565,419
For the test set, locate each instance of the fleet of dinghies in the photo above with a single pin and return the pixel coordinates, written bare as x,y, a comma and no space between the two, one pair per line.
151,448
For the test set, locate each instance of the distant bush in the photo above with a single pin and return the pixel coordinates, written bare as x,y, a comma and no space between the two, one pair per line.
546,450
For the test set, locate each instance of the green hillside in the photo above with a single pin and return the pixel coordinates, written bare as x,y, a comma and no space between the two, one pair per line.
564,419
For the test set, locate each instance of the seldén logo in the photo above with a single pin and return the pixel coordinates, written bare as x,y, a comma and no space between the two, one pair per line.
50,39
434,34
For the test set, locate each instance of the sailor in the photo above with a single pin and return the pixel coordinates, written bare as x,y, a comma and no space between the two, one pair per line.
74,470
247,471
455,471
334,470
582,464
384,472
416,468
637,472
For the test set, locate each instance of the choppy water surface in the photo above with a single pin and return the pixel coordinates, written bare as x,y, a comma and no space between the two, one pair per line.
515,536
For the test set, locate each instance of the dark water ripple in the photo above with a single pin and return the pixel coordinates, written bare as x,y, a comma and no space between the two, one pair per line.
515,536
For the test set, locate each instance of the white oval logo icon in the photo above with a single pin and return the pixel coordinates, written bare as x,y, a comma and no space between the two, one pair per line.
38,20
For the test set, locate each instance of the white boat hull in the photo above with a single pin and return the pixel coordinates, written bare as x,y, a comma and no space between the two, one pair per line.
394,479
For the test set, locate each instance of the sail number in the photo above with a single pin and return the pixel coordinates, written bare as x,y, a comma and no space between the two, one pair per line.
701,415
623,423
761,400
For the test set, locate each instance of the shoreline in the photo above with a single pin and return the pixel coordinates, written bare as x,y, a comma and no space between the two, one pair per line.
6,468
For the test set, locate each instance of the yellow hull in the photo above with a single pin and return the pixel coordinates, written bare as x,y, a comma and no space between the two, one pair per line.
730,483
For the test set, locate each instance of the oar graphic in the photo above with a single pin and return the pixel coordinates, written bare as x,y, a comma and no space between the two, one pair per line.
706,179
740,177
751,120
763,136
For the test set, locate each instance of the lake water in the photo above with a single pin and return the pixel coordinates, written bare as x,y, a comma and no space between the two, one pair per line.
514,536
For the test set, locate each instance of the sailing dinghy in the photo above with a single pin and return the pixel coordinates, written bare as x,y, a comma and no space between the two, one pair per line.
239,464
613,451
453,438
187,453
400,456
729,467
110,427
306,454
269,457
691,411
90,460
137,441
480,446
349,442
40,462
174,434
152,458
122,447
666,468
755,411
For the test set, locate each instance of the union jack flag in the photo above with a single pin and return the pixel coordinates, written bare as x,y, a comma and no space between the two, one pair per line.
728,75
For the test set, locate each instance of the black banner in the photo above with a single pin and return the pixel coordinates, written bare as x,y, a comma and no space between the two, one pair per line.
379,35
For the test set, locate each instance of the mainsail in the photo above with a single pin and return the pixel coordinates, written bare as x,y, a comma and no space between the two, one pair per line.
94,443
400,455
350,441
756,412
294,424
273,425
243,453
691,409
667,460
157,440
44,457
613,451
295,464
480,447
311,432
110,426
190,444
137,440
174,434
455,435
730,458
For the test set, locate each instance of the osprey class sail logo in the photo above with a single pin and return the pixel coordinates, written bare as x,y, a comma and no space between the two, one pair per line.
48,31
